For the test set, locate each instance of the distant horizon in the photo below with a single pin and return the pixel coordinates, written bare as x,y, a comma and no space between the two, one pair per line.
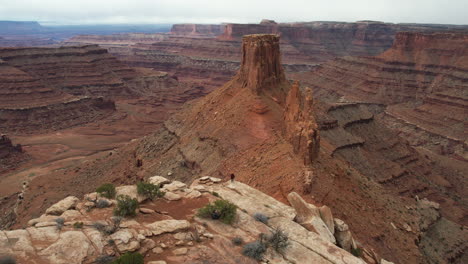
113,12
53,23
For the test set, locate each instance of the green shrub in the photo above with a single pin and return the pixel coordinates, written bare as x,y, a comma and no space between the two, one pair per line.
149,190
129,258
237,241
107,190
356,252
78,225
261,218
104,259
278,240
254,250
223,210
126,206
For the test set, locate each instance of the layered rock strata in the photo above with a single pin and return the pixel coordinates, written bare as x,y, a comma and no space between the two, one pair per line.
422,80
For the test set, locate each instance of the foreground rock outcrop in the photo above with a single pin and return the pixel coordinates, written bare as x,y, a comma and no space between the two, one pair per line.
73,230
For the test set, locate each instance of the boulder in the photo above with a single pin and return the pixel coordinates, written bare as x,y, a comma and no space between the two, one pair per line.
174,186
170,196
70,215
126,240
158,180
62,206
146,211
168,226
193,194
19,241
130,190
157,262
383,261
43,218
343,235
309,217
180,251
327,218
71,248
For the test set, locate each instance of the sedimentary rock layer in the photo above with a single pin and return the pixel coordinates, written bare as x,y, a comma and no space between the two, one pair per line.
422,79
85,70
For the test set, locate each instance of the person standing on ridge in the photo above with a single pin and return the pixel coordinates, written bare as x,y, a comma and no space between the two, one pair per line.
232,177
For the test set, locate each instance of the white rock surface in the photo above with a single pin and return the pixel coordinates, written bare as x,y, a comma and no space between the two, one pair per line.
168,226
62,206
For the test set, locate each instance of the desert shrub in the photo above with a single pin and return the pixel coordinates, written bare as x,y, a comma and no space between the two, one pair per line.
99,226
60,222
104,259
223,210
237,241
101,203
356,252
254,250
261,218
149,190
7,260
107,190
126,206
278,240
129,258
78,225
215,194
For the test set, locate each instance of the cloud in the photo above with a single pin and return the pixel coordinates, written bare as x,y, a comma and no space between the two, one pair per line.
242,11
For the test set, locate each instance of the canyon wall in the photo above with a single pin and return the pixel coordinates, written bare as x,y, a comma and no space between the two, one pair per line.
210,55
422,80
197,29
84,70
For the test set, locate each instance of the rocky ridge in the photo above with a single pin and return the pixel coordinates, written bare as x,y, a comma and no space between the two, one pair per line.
165,237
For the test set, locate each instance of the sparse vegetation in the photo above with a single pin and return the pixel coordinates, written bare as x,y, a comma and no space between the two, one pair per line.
129,258
105,259
261,218
278,240
237,241
215,194
255,250
223,210
99,226
107,190
356,252
126,206
60,222
102,203
7,260
78,225
149,190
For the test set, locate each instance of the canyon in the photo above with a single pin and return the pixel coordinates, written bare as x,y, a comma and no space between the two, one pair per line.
372,126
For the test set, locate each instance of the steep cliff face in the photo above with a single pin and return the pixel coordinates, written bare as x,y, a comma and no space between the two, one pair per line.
85,70
34,84
422,79
197,29
261,68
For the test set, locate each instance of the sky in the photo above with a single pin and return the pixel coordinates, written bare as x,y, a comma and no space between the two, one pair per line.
235,11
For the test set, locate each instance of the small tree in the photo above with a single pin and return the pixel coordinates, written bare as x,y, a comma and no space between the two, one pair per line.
223,210
149,190
278,240
60,222
107,190
126,206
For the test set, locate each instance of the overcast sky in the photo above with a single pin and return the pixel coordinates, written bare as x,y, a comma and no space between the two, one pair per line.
242,11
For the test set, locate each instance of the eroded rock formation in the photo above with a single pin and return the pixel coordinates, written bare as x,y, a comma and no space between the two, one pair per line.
85,231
